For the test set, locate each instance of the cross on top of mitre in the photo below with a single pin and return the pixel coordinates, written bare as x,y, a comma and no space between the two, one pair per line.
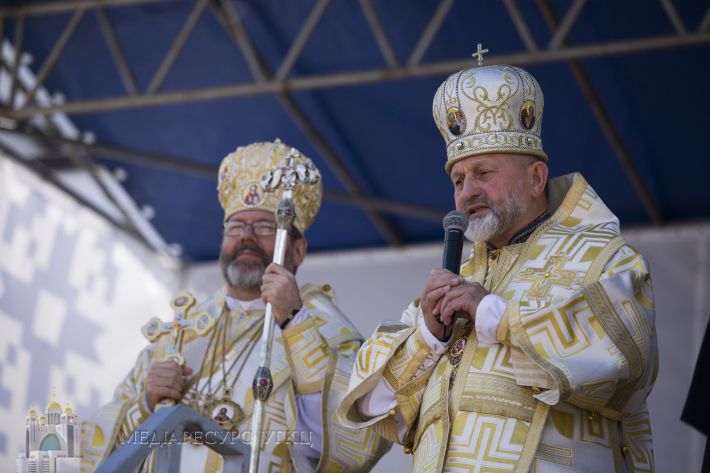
478,55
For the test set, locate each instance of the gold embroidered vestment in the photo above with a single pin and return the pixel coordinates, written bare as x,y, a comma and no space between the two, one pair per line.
312,356
564,388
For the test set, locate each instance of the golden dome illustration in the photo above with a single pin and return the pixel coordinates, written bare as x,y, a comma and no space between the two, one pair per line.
53,405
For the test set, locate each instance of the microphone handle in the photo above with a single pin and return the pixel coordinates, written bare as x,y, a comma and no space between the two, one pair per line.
453,246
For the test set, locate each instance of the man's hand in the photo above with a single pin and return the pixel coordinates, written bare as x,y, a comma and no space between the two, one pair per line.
440,283
165,379
461,301
278,287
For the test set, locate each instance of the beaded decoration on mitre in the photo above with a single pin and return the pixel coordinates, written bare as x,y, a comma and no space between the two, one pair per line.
239,182
489,109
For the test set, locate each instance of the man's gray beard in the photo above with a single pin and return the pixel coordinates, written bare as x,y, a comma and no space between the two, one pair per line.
248,276
247,279
483,229
498,221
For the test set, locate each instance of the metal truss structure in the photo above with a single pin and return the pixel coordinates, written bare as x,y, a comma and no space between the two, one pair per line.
23,106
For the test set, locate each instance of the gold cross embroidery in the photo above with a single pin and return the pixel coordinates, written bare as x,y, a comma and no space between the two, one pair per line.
543,279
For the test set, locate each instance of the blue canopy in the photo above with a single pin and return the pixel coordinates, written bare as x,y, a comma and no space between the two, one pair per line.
622,80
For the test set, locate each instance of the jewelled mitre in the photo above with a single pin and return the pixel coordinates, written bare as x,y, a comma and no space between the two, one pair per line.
239,182
489,109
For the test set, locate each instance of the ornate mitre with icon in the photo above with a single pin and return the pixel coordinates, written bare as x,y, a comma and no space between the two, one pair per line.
240,181
489,109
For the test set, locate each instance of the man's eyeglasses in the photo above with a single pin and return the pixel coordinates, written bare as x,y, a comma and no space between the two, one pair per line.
262,228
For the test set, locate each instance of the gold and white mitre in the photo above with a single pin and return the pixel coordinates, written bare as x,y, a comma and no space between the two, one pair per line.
239,182
489,109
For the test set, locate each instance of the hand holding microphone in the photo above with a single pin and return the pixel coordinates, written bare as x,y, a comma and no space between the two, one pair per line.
442,280
454,297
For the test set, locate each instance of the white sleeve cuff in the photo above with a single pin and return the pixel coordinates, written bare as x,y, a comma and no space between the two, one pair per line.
378,401
488,315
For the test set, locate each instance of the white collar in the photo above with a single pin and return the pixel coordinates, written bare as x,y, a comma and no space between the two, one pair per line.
234,303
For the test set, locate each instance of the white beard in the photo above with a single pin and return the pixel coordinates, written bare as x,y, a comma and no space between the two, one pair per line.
499,219
483,229
247,279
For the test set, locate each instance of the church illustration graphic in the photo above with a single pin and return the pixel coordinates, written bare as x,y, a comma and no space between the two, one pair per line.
51,441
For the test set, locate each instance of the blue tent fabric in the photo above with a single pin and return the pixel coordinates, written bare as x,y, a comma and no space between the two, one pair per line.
382,132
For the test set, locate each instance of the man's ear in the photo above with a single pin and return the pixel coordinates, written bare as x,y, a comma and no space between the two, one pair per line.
538,177
300,247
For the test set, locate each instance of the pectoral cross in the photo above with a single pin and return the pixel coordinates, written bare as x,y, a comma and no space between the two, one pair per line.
182,304
479,54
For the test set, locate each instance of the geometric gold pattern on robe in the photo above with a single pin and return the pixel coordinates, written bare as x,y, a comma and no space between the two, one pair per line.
306,344
638,451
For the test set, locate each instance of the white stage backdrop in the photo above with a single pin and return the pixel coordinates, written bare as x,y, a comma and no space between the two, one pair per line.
74,294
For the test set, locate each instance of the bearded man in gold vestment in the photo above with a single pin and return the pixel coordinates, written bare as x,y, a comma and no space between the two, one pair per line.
539,356
312,354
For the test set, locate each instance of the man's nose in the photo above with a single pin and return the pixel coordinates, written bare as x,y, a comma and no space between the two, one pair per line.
248,233
471,190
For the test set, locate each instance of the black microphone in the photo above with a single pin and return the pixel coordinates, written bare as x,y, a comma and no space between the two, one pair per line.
455,225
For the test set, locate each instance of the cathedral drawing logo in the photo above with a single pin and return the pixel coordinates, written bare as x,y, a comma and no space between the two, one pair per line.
51,441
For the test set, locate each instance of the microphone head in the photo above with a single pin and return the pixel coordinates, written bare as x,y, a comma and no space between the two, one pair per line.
455,220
